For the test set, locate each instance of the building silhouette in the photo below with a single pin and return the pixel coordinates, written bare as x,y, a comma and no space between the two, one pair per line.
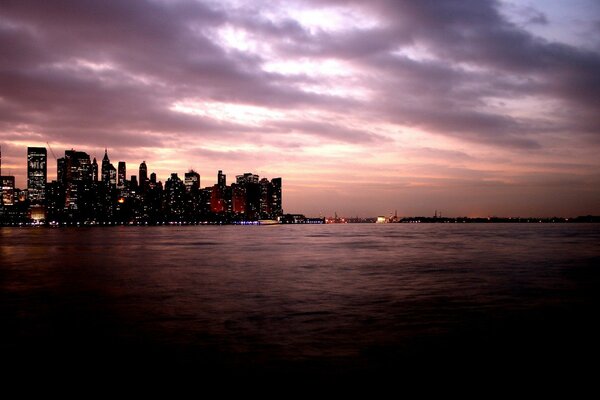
143,176
86,193
36,174
121,174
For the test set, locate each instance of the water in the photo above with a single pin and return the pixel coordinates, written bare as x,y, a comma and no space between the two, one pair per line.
326,302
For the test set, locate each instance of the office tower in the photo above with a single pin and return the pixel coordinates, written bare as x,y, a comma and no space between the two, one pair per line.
238,199
121,175
276,203
265,198
251,187
192,181
105,168
95,170
221,179
246,178
217,199
7,186
76,177
143,175
36,174
175,192
112,176
133,183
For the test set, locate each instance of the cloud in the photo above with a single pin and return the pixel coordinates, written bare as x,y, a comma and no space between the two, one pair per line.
346,73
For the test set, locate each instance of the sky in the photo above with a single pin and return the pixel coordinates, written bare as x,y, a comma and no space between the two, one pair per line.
468,107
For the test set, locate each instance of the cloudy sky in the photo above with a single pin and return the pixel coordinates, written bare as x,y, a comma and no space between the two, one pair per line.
362,107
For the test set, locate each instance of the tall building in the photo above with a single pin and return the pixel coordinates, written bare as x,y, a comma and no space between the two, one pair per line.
251,187
192,181
95,170
112,176
276,202
221,179
76,176
238,198
265,198
121,175
36,174
105,168
143,175
7,187
175,193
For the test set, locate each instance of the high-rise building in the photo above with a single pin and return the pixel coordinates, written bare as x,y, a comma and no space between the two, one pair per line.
106,168
76,176
175,192
36,174
143,175
265,198
7,187
276,203
112,176
251,187
133,183
192,181
95,170
238,198
221,179
121,175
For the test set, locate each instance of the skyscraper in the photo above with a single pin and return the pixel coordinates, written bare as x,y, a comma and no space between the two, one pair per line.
192,181
251,187
175,192
36,174
221,179
105,168
265,198
121,175
276,207
95,170
143,175
76,178
7,188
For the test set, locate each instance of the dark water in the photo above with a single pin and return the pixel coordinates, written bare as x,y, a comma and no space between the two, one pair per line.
325,302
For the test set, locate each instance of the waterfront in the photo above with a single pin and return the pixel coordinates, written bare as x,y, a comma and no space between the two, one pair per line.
331,301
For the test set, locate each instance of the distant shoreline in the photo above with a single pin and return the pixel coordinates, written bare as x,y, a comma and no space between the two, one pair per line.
323,221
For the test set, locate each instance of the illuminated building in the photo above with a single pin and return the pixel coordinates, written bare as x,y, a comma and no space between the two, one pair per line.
76,176
275,194
251,187
193,206
265,198
221,179
238,198
143,176
95,170
7,184
217,200
121,174
105,172
192,181
175,192
36,174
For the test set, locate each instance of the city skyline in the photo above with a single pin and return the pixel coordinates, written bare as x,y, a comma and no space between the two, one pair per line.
474,108
86,191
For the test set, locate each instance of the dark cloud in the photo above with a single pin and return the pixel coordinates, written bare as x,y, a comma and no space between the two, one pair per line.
107,73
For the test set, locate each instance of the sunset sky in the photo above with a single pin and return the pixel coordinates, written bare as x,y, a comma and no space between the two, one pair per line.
473,108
